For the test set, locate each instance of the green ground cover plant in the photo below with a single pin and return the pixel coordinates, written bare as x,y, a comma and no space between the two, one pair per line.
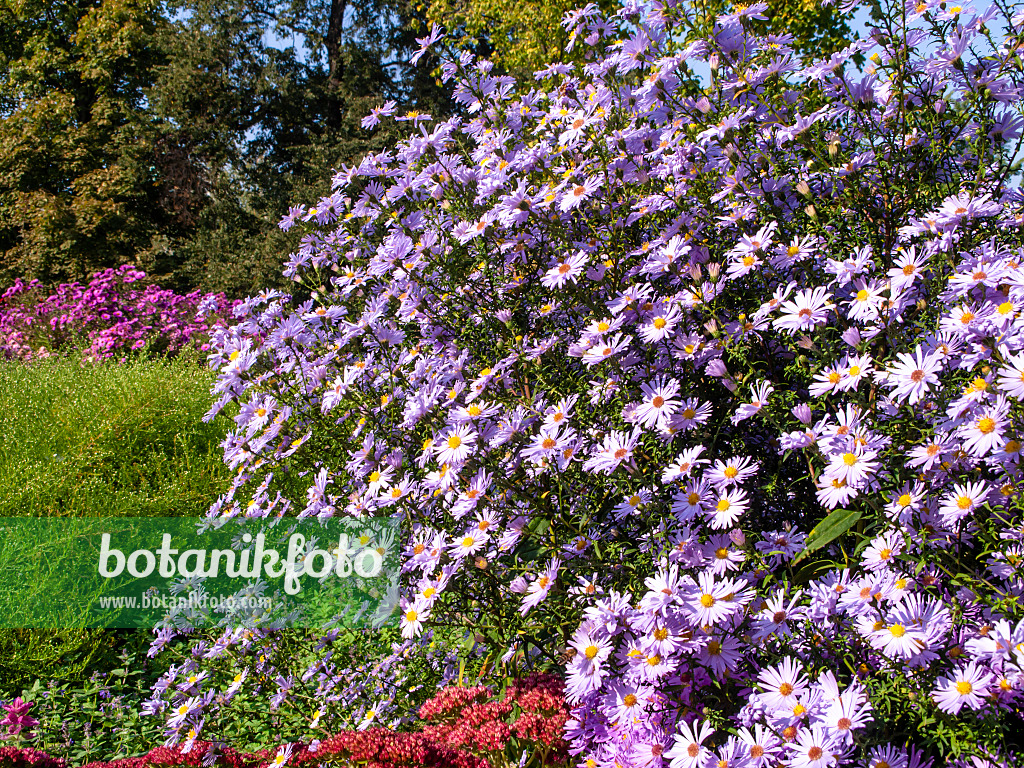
108,440
99,440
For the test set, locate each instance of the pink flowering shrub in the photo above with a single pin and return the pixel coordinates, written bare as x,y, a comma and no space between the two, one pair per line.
706,394
113,315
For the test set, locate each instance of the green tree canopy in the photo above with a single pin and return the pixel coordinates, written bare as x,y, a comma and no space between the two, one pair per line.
79,183
522,36
174,135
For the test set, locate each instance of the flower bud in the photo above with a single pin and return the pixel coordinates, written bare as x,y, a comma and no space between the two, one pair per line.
716,368
802,413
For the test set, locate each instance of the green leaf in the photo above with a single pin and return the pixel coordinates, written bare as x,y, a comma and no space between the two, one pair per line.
829,529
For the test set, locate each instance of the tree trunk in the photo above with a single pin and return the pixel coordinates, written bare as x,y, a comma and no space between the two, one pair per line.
335,66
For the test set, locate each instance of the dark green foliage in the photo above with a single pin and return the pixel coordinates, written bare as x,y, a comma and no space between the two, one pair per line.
175,135
64,656
79,186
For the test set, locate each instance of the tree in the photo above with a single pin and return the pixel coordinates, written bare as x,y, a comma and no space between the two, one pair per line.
80,184
275,123
525,35
174,136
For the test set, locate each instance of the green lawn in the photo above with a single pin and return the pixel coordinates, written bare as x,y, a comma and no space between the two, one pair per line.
108,439
100,440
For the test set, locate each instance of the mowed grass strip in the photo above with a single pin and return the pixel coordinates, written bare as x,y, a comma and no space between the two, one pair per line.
108,439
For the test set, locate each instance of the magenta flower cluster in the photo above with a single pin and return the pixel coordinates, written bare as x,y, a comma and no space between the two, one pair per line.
17,722
116,313
709,393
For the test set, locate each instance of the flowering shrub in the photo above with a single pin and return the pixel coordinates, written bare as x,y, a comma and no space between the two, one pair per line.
708,394
464,728
110,316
